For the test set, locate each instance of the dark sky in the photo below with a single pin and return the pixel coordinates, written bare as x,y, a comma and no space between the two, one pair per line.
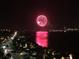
22,13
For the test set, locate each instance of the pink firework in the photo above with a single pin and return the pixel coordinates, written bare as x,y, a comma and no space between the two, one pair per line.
41,20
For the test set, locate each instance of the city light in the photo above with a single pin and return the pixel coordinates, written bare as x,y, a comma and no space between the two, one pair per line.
70,56
62,57
15,33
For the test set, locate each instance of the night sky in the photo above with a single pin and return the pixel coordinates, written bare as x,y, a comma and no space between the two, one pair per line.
22,14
